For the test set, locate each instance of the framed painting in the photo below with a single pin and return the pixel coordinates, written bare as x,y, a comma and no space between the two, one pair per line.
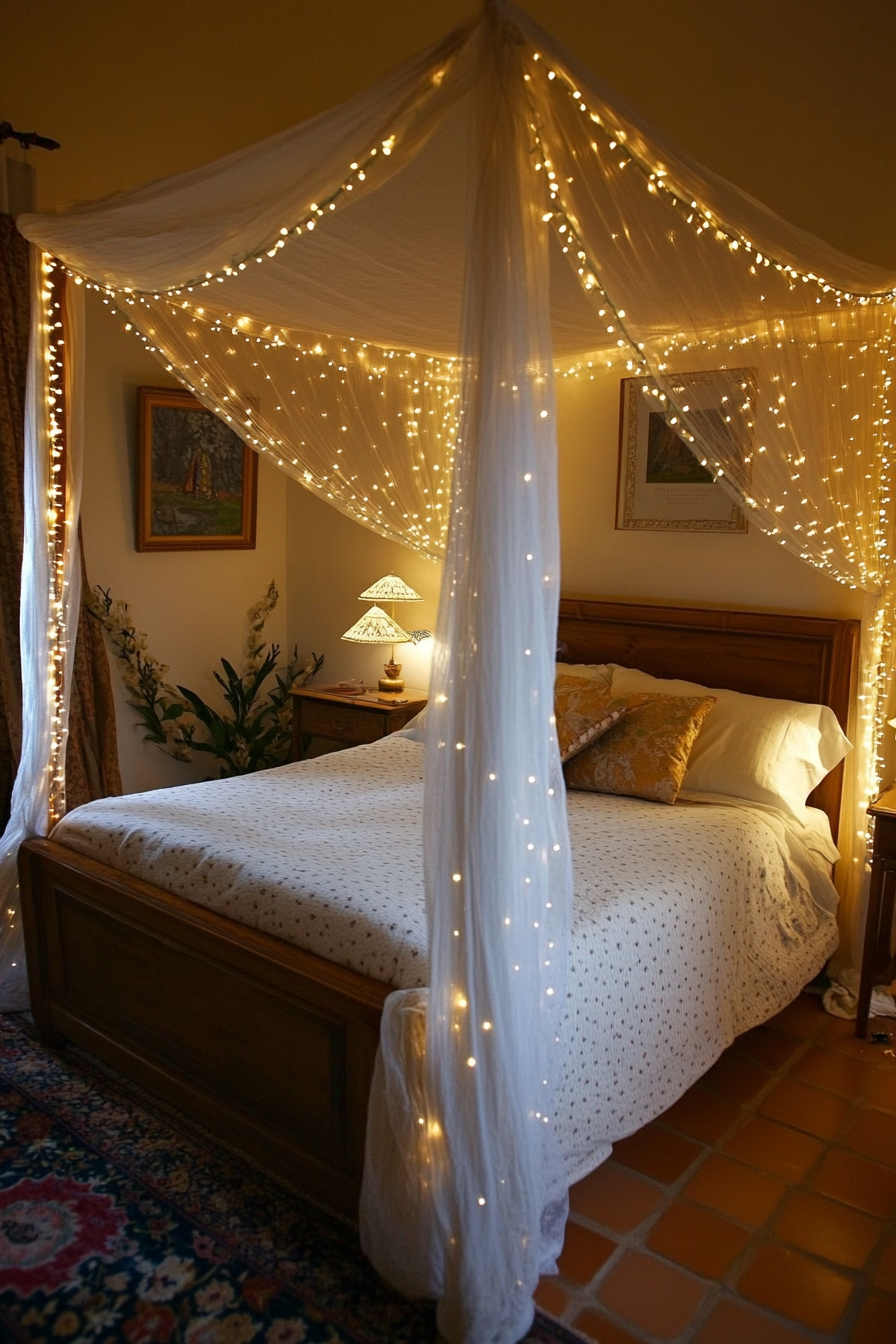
662,485
196,479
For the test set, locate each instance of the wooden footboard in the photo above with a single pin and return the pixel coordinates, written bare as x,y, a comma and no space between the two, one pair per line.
270,1047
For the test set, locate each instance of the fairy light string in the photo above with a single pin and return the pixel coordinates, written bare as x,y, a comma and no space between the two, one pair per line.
568,233
697,216
380,503
863,530
417,517
406,118
327,397
52,295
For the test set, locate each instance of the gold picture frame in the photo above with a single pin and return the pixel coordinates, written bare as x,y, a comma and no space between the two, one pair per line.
197,481
662,486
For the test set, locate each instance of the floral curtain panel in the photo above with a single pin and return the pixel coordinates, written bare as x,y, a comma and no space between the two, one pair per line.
91,750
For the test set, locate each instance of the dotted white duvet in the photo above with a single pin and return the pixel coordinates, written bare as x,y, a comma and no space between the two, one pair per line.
690,924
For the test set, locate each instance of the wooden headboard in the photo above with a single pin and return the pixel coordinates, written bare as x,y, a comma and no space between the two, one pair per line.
788,657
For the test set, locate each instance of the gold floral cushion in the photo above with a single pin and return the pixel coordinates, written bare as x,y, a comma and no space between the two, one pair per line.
584,709
645,754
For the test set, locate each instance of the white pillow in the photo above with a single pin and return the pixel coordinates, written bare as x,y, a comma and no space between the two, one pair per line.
763,750
593,671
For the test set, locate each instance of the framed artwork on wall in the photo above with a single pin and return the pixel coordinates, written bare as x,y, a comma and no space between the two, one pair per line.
662,486
196,479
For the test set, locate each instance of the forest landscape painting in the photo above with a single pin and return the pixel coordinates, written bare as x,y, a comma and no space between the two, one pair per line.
196,479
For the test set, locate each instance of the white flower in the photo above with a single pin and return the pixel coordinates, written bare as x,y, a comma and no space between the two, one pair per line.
214,1296
167,1279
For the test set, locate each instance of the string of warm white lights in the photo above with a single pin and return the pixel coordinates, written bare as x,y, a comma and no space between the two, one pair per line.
322,401
569,235
52,295
356,175
423,521
698,216
657,181
848,537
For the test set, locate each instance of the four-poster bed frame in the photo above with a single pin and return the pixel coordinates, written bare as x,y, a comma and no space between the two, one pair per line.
272,1047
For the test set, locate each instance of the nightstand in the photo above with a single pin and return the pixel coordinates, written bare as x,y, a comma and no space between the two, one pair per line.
879,920
350,719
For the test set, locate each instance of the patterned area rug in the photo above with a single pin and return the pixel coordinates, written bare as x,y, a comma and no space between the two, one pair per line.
122,1221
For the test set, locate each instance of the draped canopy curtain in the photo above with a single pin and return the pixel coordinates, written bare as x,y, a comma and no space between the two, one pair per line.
477,1147
366,299
15,298
50,586
769,351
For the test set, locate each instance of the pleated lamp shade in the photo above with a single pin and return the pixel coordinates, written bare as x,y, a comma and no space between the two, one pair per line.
376,627
390,589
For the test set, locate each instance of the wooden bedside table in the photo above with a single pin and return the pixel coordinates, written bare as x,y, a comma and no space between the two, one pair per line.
350,719
879,920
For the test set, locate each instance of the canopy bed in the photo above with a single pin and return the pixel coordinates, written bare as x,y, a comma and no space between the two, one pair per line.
379,300
208,1001
204,1001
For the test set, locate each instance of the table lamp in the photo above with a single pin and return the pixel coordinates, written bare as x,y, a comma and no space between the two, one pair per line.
379,627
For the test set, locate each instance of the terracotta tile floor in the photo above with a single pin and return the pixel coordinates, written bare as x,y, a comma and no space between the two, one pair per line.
759,1209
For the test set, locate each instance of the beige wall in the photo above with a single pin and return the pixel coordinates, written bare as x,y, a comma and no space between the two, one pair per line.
792,101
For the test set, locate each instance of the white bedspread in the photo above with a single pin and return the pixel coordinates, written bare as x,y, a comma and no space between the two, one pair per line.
690,924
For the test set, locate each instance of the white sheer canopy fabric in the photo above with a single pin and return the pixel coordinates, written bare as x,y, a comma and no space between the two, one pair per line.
498,878
376,299
51,589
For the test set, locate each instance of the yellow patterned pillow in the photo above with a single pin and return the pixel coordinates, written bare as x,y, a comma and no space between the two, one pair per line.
584,709
645,755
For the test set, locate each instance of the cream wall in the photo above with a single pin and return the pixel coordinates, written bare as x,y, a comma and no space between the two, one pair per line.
792,101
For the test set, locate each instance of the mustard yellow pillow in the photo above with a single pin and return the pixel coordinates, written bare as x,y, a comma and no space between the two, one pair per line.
645,754
584,709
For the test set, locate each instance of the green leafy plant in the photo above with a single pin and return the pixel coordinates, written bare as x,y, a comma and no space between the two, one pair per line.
254,735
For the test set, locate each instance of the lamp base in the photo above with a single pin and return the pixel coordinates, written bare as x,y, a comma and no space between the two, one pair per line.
392,680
